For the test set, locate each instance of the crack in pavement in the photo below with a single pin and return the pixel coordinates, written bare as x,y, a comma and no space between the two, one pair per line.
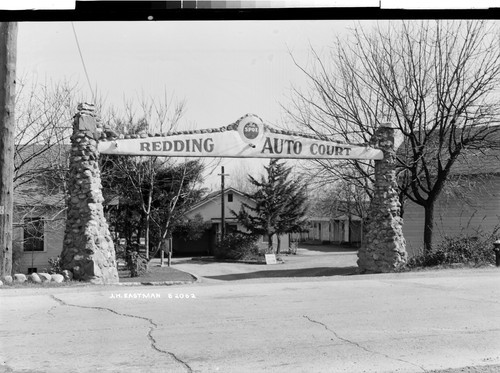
361,347
152,327
49,311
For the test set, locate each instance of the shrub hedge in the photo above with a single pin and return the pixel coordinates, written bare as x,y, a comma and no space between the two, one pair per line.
464,249
237,246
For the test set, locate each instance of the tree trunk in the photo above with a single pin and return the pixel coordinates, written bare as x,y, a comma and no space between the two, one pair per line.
150,202
147,235
8,50
278,246
428,226
166,234
129,230
349,229
270,243
140,228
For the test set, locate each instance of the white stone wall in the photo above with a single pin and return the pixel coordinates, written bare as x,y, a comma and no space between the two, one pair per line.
88,249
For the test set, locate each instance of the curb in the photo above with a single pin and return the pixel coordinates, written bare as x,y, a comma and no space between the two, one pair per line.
197,279
155,283
234,261
208,260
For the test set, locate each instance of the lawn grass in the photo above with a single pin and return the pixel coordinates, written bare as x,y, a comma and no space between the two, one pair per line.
155,275
29,284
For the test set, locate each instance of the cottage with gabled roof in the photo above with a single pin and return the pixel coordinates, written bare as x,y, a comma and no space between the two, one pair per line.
209,208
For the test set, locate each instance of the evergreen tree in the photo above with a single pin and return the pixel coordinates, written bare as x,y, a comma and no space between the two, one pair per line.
280,204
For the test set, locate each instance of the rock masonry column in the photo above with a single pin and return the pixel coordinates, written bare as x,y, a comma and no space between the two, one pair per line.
88,249
383,247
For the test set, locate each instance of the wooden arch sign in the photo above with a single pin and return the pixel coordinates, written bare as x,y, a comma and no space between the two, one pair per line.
249,137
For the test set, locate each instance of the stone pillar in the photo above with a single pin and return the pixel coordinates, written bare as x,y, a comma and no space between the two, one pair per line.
383,248
88,249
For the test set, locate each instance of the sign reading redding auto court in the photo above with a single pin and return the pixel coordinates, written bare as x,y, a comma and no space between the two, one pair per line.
247,138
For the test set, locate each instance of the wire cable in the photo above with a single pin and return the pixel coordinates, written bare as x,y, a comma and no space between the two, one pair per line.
83,63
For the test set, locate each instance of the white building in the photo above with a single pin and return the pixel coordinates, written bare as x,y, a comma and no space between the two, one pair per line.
210,209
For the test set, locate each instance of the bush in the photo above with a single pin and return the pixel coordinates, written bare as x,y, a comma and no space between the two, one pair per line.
120,251
17,256
294,245
193,229
136,262
55,265
237,246
475,251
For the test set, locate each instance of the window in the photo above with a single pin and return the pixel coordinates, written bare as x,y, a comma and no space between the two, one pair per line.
33,234
230,197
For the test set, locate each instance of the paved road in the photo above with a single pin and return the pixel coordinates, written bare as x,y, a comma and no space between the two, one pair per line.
411,322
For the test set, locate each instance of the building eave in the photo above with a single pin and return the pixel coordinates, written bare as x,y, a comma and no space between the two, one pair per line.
213,197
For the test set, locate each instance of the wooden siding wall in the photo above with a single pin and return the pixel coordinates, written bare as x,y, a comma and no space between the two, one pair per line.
212,209
53,241
475,207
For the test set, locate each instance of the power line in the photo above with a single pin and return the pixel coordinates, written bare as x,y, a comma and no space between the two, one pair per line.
83,62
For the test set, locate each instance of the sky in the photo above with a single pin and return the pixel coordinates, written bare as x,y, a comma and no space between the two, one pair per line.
222,69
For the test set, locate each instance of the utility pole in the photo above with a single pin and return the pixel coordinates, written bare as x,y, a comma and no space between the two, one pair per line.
223,217
8,52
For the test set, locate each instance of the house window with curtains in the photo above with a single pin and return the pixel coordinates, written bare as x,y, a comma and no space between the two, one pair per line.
33,234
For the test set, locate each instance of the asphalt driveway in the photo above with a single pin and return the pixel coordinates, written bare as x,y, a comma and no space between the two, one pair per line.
310,261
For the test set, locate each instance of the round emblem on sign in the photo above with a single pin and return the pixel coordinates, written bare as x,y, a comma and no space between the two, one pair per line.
251,129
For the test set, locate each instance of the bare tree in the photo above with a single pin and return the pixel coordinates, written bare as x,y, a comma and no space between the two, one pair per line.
44,112
146,175
179,189
434,80
160,116
43,126
238,179
341,198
